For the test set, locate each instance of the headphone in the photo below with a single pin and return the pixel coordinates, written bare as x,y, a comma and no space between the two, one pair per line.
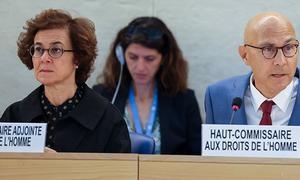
119,52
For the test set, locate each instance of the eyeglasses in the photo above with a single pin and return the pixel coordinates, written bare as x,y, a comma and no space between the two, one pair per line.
270,52
54,51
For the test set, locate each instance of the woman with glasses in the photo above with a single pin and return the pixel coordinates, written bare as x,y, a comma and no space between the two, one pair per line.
61,50
145,76
270,92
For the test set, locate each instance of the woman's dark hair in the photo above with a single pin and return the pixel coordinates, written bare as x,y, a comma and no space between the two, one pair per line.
150,32
81,32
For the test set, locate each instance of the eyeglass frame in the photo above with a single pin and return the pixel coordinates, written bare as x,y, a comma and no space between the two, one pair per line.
44,49
277,48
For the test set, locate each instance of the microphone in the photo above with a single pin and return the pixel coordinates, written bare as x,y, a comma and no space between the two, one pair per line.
236,105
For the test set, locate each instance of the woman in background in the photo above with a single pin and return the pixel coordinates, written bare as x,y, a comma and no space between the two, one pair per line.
153,95
62,51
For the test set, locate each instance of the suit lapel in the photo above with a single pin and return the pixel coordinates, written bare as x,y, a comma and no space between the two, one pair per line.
165,115
239,88
295,117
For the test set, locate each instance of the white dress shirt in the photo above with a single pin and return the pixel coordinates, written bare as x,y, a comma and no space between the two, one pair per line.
281,111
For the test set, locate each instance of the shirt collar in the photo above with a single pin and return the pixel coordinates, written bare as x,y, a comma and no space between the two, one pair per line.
65,108
282,99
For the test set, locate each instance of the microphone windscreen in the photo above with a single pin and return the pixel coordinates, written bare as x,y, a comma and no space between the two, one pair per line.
237,101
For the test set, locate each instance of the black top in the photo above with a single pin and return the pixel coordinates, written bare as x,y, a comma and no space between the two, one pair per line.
179,118
55,113
93,126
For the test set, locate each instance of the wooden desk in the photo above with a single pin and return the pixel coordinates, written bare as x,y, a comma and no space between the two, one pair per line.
212,168
144,167
68,166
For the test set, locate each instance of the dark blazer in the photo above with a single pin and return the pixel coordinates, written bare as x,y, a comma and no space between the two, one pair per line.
179,116
219,96
93,126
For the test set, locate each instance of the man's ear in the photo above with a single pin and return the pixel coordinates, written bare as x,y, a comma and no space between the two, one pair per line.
243,54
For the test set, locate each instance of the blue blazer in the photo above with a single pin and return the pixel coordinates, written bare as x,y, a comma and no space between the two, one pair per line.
219,96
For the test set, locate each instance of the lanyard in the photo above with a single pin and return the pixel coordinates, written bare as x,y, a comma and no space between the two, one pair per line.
136,117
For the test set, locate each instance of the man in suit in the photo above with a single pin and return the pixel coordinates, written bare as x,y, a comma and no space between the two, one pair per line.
271,50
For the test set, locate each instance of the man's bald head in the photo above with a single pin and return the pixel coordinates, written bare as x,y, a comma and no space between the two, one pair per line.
265,22
270,50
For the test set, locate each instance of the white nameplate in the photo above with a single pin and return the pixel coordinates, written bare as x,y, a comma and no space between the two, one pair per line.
22,137
251,141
